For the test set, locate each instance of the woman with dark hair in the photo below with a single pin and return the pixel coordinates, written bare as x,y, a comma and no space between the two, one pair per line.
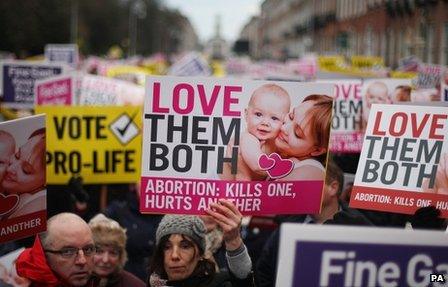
179,256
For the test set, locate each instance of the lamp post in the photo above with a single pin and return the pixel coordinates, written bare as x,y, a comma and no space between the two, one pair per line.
137,11
74,21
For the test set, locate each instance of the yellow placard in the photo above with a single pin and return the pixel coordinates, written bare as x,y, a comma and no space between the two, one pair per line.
102,144
403,75
331,63
136,74
119,70
363,62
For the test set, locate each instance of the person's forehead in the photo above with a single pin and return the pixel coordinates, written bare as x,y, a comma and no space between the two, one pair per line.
76,235
32,142
302,109
301,115
269,94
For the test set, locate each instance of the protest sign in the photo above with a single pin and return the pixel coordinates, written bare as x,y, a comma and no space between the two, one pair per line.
23,191
206,139
366,62
404,160
97,90
102,144
128,73
346,126
64,53
312,255
191,64
409,64
383,91
17,80
444,86
331,63
8,273
59,90
428,76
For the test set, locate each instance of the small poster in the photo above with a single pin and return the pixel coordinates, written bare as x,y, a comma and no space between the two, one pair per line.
97,90
261,144
347,124
313,255
404,160
191,64
58,90
65,53
17,79
23,194
102,144
384,91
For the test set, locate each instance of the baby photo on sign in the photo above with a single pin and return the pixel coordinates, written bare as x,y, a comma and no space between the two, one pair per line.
22,167
280,138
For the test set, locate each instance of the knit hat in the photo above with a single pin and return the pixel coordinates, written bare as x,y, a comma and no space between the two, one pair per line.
191,226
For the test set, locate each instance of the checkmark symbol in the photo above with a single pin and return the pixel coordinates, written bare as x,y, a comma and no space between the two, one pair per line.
123,130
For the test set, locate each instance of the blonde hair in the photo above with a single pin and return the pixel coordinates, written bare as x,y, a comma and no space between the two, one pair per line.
108,232
276,89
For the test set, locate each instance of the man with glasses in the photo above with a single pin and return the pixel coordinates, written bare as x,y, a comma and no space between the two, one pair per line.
61,256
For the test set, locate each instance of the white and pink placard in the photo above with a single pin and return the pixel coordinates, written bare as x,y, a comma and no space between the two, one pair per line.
404,160
252,142
58,90
347,125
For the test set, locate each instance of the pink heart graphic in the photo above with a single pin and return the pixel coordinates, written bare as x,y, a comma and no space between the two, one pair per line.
8,203
282,166
265,163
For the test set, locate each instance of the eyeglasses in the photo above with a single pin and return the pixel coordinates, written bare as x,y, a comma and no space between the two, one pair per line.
70,252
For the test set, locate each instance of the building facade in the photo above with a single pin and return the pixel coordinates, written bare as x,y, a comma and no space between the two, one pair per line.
391,29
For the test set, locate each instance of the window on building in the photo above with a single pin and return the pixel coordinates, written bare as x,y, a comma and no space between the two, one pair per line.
444,48
368,34
390,47
429,43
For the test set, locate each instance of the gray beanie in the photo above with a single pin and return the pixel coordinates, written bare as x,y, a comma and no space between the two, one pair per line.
191,226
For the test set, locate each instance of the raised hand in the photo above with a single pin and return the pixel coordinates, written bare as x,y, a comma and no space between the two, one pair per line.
228,217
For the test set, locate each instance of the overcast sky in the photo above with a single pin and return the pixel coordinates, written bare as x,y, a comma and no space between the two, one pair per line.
202,14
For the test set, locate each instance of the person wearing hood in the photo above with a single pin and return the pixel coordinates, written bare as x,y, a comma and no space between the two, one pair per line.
60,257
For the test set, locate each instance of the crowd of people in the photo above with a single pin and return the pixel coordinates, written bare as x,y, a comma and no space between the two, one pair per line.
187,251
122,247
73,252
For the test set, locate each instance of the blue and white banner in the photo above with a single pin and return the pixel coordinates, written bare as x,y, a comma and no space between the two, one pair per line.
312,255
63,53
17,79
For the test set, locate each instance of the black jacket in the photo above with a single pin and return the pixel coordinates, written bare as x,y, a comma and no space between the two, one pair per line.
221,279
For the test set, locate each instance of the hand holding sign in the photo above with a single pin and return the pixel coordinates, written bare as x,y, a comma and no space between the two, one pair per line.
229,219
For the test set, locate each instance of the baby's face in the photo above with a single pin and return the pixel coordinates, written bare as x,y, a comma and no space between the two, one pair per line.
6,151
265,115
377,94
